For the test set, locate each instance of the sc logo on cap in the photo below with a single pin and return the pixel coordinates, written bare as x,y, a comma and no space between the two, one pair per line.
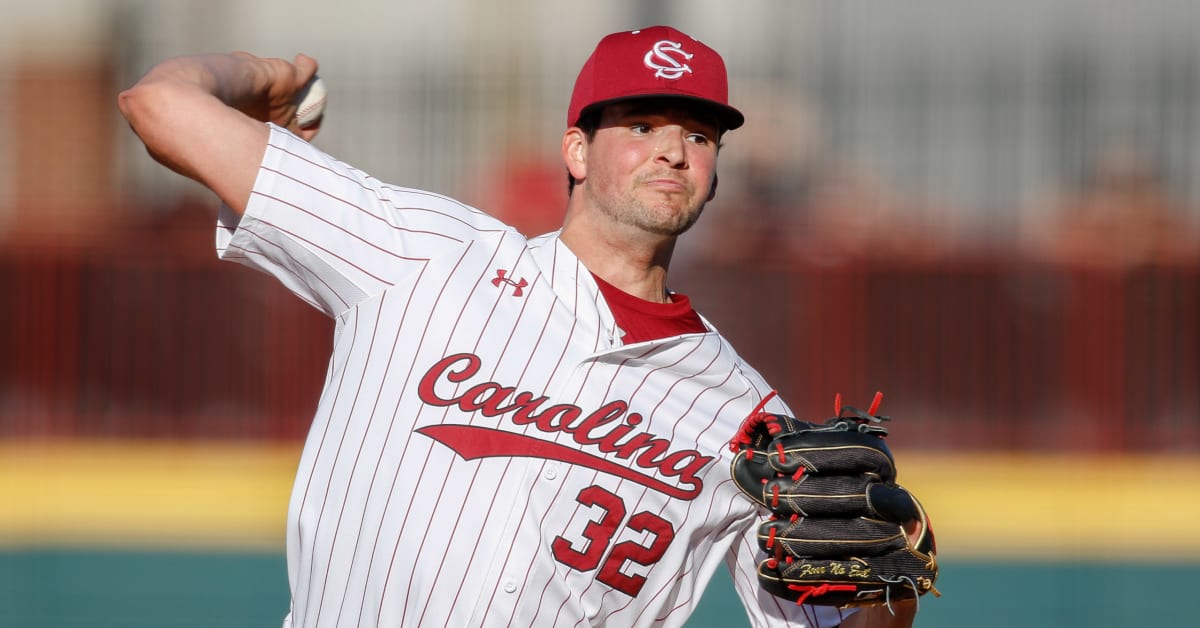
668,59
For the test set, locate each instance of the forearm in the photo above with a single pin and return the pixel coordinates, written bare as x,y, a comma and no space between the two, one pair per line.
260,87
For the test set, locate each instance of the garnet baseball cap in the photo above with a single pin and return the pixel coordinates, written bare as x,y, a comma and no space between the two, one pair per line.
653,62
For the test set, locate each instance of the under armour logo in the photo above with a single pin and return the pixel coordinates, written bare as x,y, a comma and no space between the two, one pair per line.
668,57
502,278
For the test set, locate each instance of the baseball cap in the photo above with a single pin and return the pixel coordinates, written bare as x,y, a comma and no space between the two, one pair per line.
650,62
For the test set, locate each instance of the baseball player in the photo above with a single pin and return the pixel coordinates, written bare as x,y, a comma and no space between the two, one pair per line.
513,431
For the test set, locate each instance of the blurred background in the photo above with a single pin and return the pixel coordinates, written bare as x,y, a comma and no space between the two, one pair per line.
990,211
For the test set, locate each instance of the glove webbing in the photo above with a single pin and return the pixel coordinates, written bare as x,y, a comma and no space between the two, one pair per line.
756,418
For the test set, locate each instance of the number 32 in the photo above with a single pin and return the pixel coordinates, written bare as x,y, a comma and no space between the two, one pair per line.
599,534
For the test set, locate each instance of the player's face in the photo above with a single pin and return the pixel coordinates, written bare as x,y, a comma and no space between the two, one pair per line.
652,167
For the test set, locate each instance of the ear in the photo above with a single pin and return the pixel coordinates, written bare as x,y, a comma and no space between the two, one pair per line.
712,191
574,152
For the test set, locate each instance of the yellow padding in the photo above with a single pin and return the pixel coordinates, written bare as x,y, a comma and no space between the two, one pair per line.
145,494
1077,507
992,505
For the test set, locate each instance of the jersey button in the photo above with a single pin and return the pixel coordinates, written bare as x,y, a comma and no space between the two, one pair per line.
510,586
551,473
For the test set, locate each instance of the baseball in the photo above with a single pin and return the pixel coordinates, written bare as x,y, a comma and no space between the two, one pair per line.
311,105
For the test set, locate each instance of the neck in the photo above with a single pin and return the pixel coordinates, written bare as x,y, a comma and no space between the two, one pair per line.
631,260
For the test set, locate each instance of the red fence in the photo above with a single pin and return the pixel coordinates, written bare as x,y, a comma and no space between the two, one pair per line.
979,354
165,341
161,340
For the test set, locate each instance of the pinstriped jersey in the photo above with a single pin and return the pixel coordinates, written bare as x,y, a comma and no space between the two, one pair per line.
486,451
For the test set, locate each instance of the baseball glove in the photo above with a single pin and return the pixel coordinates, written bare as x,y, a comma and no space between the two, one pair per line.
836,535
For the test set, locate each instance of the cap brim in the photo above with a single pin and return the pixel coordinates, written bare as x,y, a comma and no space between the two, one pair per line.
728,117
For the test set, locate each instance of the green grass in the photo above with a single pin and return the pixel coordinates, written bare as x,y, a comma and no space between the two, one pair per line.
1029,595
62,588
141,589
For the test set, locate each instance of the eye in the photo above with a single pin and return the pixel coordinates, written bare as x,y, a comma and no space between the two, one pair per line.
699,138
640,128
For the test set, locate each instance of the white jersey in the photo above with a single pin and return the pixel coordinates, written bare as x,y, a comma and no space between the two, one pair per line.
486,452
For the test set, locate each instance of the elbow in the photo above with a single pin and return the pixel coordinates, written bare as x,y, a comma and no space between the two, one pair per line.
125,101
148,108
137,104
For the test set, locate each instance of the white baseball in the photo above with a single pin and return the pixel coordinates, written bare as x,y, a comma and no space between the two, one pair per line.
312,103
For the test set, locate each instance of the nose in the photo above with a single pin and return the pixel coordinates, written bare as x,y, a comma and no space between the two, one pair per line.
671,148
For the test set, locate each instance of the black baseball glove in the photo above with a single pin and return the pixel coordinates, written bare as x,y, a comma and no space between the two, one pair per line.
837,533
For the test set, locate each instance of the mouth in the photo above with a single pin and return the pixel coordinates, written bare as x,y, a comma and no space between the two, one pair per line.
668,185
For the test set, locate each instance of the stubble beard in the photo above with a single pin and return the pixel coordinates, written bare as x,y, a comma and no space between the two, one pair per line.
659,218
